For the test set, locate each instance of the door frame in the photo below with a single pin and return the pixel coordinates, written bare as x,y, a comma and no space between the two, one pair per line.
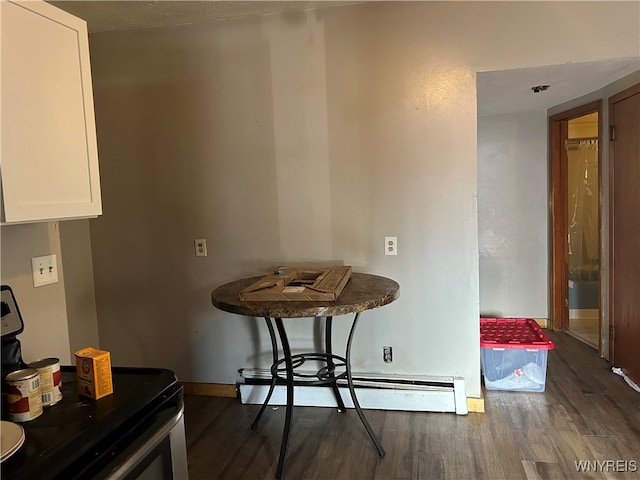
558,212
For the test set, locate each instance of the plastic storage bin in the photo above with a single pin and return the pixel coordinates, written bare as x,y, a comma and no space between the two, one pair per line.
514,354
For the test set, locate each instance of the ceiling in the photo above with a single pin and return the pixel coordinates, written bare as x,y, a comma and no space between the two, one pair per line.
504,91
109,15
508,91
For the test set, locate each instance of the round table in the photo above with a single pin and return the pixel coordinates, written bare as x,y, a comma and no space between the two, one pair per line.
362,292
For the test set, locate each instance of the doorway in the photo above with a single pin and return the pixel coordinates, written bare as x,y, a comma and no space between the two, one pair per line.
575,216
583,215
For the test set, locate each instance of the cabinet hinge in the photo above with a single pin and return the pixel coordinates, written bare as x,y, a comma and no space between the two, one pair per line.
612,132
612,333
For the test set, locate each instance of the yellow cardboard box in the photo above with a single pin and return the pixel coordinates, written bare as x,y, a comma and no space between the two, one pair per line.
93,370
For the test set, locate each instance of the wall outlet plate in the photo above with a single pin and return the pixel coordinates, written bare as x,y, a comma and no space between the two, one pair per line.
200,246
387,354
391,245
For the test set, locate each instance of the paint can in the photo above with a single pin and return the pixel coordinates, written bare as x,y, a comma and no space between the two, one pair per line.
50,380
23,395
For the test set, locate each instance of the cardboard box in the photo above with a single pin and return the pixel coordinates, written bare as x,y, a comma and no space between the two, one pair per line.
93,371
298,284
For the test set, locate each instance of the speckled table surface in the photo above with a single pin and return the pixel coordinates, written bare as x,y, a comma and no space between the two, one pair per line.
363,292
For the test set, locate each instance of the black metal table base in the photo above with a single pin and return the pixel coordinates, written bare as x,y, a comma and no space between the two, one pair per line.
325,376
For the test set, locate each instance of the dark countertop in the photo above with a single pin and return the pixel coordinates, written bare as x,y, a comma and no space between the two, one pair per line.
59,441
362,292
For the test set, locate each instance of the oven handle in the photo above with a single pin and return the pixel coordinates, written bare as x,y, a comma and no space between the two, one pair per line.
174,428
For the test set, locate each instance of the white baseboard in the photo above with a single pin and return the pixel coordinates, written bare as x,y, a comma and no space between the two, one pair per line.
425,395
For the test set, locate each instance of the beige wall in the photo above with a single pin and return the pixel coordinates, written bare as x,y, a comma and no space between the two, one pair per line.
304,139
80,297
43,309
59,318
284,140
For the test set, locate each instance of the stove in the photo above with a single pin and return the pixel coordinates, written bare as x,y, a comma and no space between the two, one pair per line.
137,432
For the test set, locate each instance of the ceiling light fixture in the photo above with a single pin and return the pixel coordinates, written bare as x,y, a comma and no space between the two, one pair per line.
540,88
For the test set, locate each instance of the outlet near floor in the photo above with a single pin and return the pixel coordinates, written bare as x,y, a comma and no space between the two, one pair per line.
387,354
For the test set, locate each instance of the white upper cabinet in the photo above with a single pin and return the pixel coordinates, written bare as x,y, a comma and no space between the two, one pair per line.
49,156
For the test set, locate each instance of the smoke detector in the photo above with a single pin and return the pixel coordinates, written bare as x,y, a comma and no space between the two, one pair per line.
540,88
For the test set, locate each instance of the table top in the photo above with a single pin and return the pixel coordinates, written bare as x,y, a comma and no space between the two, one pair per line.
363,292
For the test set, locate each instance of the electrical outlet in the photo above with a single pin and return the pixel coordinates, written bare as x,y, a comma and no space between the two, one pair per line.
387,354
45,270
391,245
200,246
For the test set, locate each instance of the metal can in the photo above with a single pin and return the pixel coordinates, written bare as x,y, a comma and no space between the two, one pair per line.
23,395
50,380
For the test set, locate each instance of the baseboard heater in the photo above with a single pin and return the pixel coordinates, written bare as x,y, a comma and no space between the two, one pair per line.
389,392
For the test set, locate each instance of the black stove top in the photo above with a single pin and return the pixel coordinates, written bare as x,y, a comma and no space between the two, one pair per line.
79,437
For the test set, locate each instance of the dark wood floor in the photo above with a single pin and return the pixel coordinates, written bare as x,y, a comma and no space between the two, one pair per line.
586,414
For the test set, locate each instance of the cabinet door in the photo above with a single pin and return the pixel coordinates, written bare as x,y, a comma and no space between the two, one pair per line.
49,158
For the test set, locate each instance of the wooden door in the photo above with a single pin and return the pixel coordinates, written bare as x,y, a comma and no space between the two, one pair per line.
624,116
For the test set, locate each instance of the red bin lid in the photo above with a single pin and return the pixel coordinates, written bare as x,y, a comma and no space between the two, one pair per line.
513,333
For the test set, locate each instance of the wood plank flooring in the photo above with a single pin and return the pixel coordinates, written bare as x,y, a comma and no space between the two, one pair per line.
586,414
584,324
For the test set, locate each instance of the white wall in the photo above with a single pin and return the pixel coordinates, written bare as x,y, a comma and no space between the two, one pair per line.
209,110
513,215
309,139
43,309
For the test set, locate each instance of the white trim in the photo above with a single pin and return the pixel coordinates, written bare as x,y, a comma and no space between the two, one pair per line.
371,395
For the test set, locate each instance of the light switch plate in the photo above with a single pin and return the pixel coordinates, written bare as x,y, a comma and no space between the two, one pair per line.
45,270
